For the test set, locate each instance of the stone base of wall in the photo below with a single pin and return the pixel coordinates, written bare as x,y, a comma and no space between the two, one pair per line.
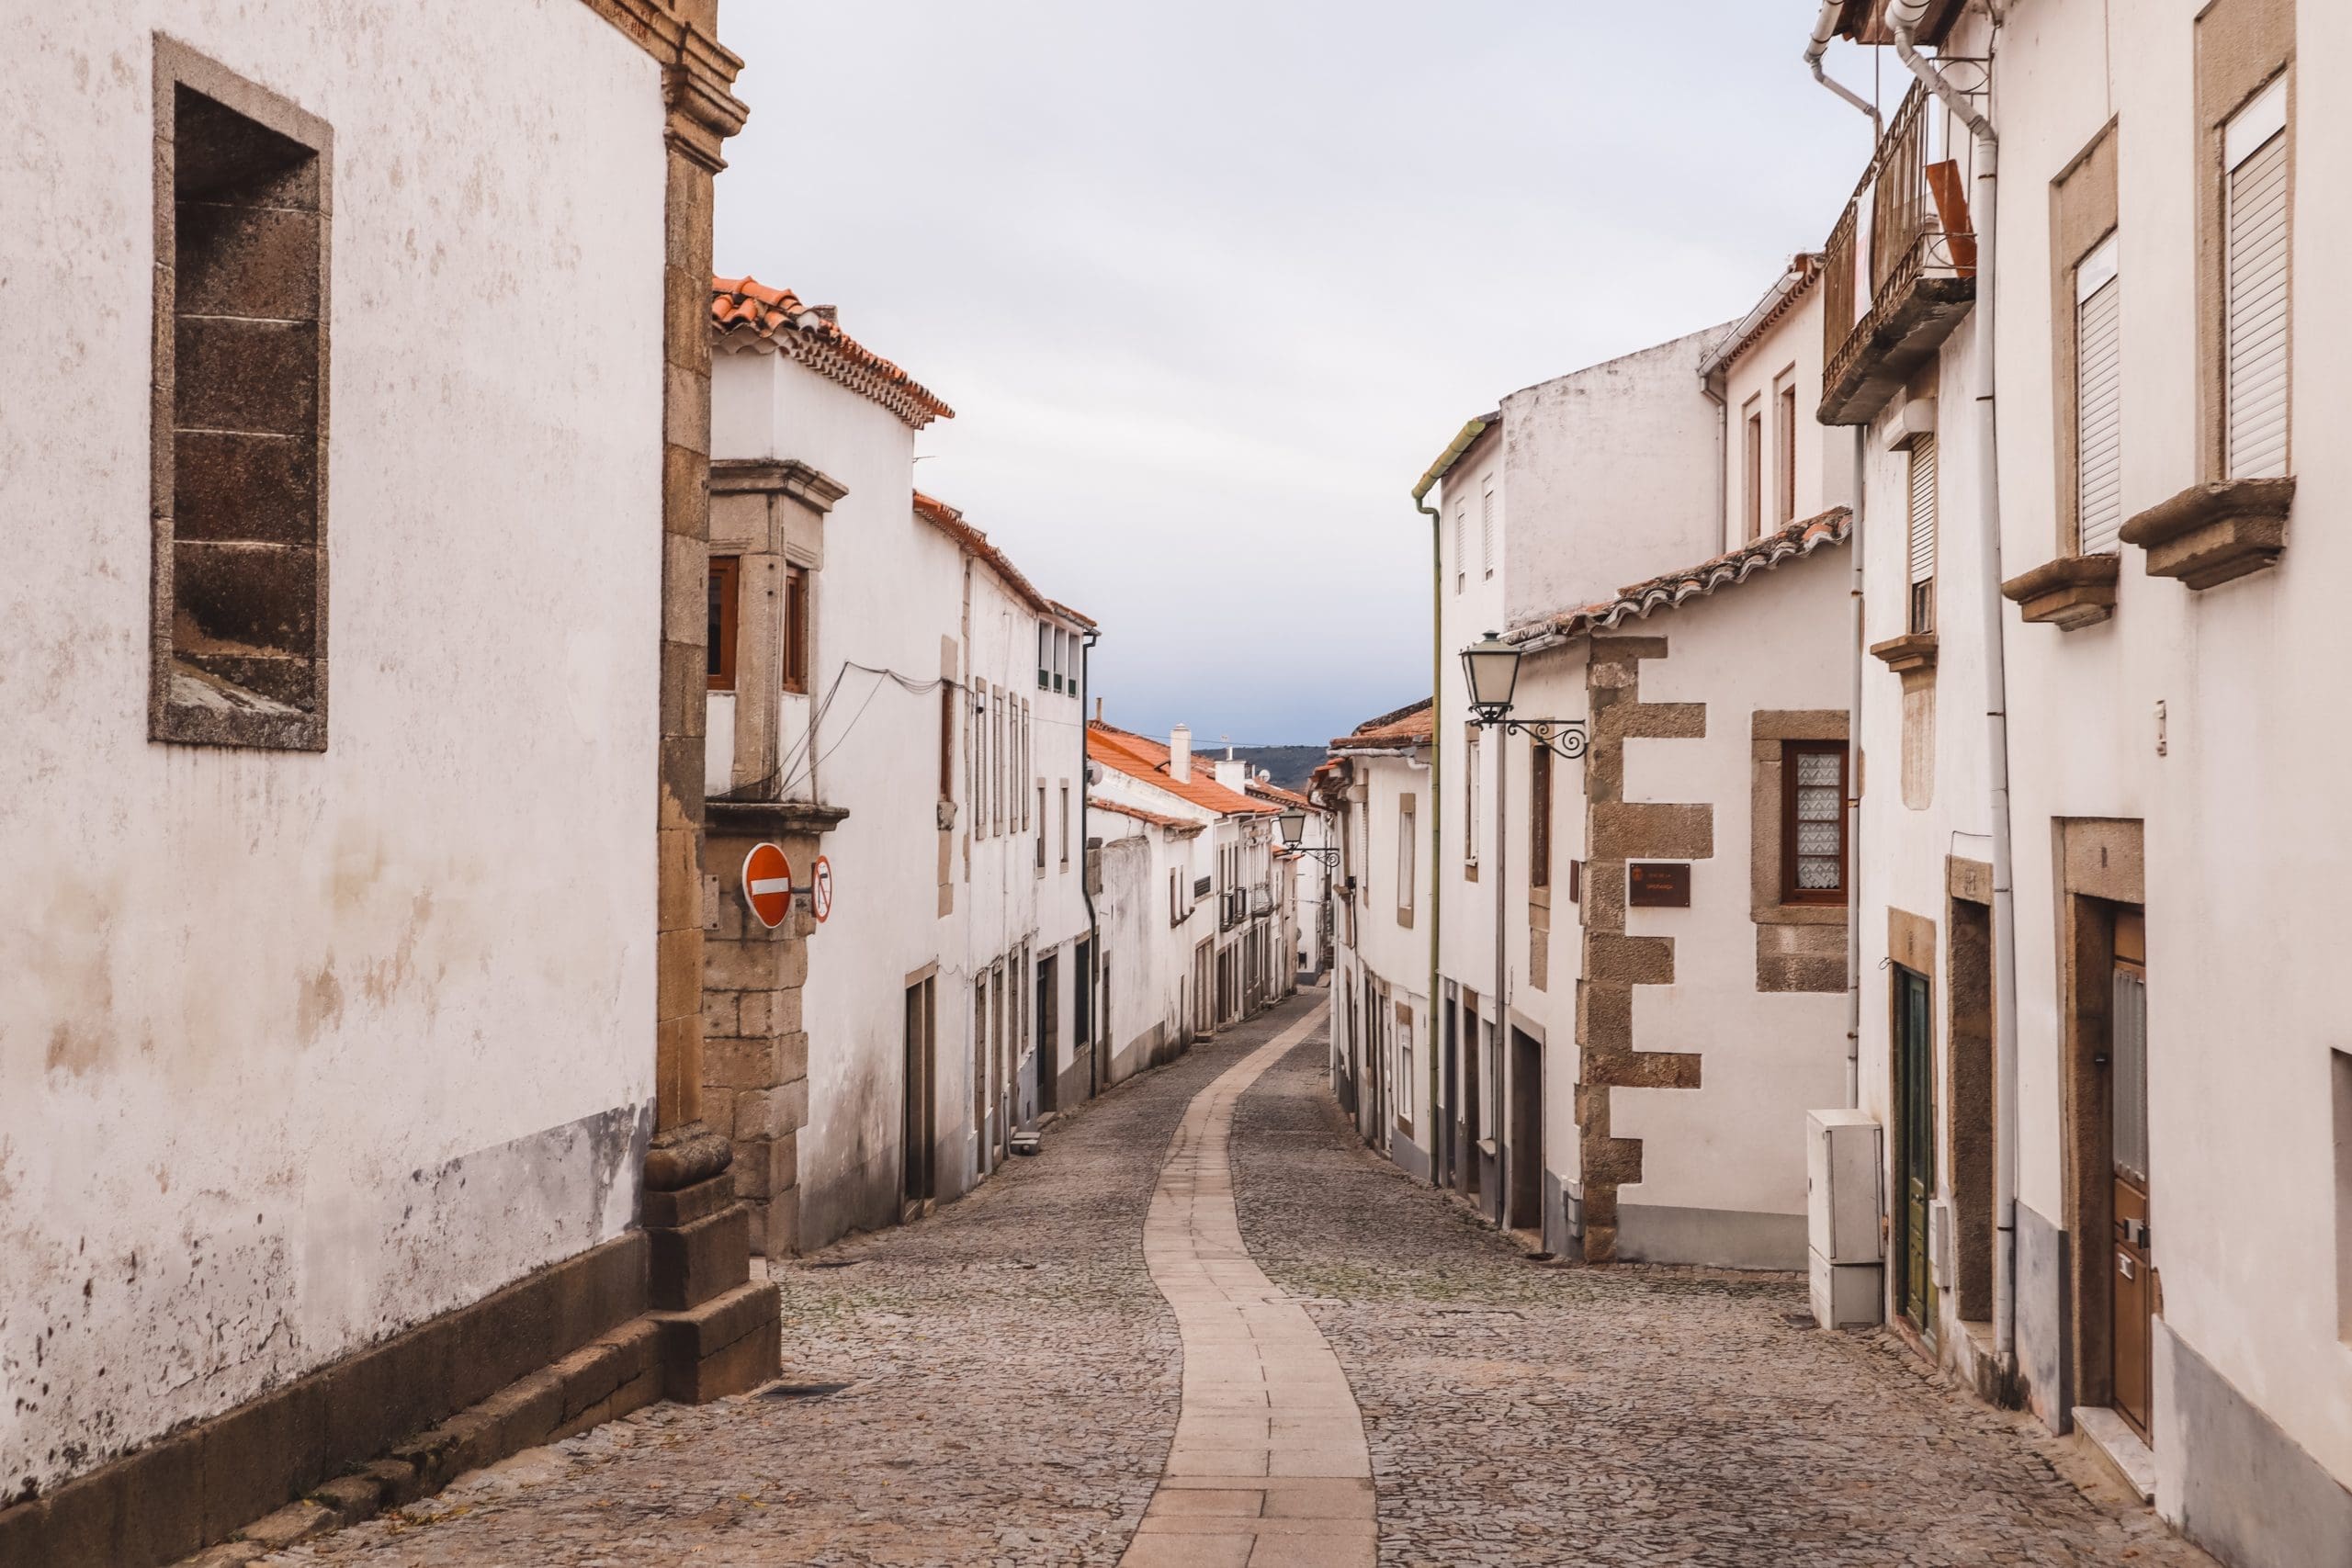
551,1354
1714,1238
2231,1479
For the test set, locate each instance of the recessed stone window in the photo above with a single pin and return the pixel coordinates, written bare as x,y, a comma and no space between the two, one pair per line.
240,578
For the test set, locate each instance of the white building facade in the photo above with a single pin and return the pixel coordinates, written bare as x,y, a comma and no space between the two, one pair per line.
898,698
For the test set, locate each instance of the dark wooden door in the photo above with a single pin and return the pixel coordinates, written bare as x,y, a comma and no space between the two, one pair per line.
1472,1132
1050,1037
1448,1121
919,1123
1915,1052
2133,1286
1526,1133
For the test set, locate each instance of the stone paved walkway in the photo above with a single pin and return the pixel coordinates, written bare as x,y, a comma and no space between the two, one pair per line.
1268,1468
1015,1391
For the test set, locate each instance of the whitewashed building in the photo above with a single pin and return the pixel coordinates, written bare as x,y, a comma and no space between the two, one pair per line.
889,691
1221,949
2120,1190
1670,864
339,1085
1384,1054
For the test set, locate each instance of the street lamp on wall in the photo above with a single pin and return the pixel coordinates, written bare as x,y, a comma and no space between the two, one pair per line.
1490,670
1292,823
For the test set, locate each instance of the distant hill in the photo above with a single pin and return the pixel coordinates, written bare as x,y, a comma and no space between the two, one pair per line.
1288,764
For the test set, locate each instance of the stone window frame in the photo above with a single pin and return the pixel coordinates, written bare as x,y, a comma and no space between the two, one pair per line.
1786,425
178,66
2242,46
768,516
1794,952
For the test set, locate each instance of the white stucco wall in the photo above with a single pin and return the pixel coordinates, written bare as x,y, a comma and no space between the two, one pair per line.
2247,856
300,1049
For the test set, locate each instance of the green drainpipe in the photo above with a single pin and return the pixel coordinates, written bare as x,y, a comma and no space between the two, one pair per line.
1470,432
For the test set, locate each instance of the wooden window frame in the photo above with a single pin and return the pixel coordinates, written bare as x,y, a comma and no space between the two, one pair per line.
1751,460
948,692
727,589
1784,412
799,631
1790,892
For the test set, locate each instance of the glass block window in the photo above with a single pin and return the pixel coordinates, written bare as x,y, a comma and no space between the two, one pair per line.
1812,822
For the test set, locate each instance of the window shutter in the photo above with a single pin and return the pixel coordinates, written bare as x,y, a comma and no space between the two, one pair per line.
1487,531
1923,510
2256,283
2098,402
1461,544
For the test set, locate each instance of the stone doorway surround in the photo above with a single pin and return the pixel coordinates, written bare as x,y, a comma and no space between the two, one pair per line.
1268,1468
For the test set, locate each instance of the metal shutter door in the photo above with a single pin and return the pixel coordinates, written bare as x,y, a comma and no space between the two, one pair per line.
2257,327
2098,420
1923,509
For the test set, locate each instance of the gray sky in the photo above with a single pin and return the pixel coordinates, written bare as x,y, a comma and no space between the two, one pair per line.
1209,284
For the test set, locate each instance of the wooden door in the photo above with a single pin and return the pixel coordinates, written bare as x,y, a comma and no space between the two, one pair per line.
920,1120
1448,1115
1472,1130
1915,1052
1526,1133
2133,1286
1049,1035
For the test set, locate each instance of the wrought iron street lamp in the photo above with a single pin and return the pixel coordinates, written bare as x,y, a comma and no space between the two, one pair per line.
1490,670
1292,823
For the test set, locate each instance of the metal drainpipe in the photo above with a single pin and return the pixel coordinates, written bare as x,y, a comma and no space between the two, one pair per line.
1437,794
1906,16
1096,1021
1824,27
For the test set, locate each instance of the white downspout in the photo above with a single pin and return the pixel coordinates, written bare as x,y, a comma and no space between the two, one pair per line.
1905,16
1824,28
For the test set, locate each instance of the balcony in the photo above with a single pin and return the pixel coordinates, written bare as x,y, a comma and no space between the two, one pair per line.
1899,271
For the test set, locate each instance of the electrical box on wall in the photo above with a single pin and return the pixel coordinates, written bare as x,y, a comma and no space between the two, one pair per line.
1843,1160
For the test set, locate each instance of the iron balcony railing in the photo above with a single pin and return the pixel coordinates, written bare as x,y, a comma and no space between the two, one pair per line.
1906,245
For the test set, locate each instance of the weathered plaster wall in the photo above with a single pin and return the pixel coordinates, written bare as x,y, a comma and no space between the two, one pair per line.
2246,854
1733,1147
301,1049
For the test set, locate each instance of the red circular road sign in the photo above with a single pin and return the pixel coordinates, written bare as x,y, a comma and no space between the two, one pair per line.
767,885
821,889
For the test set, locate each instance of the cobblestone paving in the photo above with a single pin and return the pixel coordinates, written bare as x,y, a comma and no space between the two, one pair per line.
1520,1413
1012,1381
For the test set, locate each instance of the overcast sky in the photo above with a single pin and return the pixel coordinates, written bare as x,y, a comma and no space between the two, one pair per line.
1210,283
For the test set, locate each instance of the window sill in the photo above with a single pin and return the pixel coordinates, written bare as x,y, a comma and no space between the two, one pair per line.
203,709
2070,593
1914,650
2212,534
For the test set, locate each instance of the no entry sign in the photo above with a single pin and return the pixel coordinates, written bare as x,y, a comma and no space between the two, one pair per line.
821,889
767,885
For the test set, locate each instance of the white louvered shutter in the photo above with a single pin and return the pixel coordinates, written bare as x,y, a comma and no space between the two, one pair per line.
1487,530
1923,510
2255,284
1461,545
2098,402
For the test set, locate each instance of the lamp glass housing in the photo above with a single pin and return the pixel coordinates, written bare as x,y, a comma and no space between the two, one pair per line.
1293,822
1490,668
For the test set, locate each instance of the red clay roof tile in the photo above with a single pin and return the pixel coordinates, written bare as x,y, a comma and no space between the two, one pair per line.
745,305
1139,757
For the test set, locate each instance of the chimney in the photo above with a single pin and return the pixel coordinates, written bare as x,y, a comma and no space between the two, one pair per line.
1180,754
1098,710
828,313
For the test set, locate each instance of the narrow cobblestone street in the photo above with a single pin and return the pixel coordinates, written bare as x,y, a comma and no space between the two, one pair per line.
1001,1385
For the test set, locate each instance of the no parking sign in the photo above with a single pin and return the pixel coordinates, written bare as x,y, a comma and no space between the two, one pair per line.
821,889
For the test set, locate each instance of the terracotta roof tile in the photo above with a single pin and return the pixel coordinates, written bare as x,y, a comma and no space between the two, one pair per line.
1674,589
949,521
1117,809
1139,757
1276,793
745,308
1405,727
